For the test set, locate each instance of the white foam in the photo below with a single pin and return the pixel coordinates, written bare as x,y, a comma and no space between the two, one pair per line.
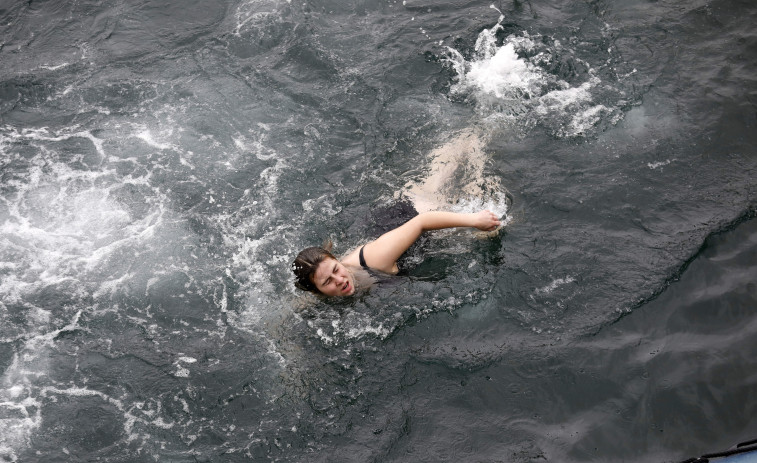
560,100
502,75
509,80
555,284
53,67
255,14
62,225
59,226
659,165
496,70
326,339
496,203
181,372
358,332
148,137
583,121
19,400
17,426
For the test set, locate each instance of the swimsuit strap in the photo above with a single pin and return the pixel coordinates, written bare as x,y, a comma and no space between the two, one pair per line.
362,259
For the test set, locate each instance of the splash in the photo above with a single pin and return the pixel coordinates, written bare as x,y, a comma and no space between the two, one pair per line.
499,202
67,235
526,80
63,225
496,72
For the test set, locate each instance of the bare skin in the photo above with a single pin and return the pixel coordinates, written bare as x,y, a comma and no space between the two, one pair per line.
460,161
456,170
332,278
336,278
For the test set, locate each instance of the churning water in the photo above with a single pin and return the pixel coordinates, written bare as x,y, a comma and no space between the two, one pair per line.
163,162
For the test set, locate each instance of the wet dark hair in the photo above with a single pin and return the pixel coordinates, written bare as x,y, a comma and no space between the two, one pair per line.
306,263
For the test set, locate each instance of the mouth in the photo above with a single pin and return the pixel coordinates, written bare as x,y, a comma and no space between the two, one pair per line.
346,288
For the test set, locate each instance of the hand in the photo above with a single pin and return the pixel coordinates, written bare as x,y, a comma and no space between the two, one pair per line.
486,220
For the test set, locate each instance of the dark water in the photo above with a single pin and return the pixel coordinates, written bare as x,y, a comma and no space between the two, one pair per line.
163,162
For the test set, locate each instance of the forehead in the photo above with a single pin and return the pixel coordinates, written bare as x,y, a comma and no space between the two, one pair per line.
324,270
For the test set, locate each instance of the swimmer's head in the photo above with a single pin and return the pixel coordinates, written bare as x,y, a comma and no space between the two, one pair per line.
306,264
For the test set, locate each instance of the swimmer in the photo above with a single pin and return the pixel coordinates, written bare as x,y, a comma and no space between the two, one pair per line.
317,270
455,172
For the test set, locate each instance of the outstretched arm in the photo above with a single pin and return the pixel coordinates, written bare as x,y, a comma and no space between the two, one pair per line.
382,253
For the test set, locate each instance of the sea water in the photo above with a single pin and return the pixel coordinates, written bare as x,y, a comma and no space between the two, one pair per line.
162,164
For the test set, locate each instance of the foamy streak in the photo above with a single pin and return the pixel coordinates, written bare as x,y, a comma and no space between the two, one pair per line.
353,327
43,134
133,413
251,262
659,165
554,285
19,402
255,14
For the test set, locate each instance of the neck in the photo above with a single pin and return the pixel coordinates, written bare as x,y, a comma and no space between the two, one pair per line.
362,279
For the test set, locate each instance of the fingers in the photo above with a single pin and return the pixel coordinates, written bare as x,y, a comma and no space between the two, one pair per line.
493,219
488,221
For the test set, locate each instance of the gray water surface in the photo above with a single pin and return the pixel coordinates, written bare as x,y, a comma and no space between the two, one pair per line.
162,163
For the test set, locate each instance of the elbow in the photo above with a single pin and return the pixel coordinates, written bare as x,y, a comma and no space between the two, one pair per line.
421,223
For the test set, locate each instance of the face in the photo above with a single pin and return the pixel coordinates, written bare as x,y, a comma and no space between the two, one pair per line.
333,279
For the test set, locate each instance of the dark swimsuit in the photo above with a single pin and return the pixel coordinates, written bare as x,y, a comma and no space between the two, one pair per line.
385,217
378,277
362,259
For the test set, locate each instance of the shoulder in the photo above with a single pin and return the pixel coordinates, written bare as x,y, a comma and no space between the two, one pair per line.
353,258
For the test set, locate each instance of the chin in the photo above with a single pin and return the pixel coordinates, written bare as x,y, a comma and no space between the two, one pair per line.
351,291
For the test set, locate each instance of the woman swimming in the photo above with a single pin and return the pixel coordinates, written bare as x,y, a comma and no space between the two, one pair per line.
456,172
318,271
